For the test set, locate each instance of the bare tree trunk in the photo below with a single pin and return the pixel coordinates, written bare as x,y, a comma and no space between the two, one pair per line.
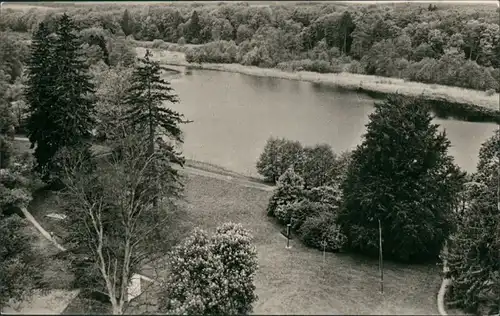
152,138
344,49
117,309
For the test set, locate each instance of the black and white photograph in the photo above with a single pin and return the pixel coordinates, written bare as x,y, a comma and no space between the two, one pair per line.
250,158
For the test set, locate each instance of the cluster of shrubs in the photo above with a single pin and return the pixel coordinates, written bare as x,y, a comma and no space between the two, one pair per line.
317,165
226,52
454,70
321,66
307,194
451,69
312,213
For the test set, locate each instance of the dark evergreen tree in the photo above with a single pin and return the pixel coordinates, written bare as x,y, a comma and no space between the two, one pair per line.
474,249
7,123
60,95
346,27
193,29
127,23
38,94
148,115
403,176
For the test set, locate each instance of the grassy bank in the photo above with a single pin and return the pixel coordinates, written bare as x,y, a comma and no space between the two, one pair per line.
375,84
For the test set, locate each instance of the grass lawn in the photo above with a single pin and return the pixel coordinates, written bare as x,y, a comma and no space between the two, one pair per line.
289,281
297,281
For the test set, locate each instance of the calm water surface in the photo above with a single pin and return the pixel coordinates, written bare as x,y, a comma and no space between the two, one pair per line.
235,114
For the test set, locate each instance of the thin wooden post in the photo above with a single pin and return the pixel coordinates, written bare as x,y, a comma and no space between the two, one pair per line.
381,259
324,250
288,235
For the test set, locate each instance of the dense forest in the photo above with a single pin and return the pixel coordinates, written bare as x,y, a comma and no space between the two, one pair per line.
442,44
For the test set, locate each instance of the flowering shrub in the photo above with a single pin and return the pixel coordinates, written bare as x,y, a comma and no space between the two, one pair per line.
232,243
212,275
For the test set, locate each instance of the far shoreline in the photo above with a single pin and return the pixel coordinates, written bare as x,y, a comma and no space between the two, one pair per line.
348,81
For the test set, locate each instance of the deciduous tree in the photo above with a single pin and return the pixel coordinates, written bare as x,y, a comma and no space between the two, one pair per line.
114,228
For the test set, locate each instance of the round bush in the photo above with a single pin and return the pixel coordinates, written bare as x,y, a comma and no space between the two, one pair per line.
212,275
322,228
181,41
290,189
325,194
300,211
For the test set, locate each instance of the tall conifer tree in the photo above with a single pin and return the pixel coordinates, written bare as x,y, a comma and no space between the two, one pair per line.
403,176
60,95
38,90
147,113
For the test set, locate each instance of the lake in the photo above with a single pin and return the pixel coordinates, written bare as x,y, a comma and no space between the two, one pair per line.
234,115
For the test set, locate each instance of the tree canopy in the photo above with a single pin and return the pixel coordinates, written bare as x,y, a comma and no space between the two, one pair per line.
400,144
60,95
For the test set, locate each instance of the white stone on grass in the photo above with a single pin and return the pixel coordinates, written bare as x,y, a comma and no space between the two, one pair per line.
56,216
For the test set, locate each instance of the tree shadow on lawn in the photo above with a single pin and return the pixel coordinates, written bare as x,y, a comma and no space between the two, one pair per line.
296,280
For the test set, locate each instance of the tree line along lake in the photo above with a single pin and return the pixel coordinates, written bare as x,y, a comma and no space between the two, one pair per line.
234,114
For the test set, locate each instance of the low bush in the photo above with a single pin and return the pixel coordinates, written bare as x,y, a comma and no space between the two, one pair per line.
158,43
215,52
321,66
299,212
320,229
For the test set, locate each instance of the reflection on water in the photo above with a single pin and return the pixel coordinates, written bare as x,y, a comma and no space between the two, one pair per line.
235,114
269,83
